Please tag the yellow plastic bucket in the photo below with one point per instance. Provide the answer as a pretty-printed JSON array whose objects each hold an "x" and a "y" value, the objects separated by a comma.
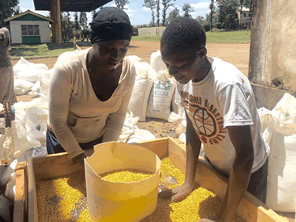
[{"x": 110, "y": 201}]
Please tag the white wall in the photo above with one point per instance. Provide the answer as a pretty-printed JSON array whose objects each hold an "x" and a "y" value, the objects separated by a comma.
[{"x": 16, "y": 32}]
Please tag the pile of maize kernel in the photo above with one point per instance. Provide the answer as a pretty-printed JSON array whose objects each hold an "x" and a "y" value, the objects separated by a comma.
[
  {"x": 58, "y": 199},
  {"x": 62, "y": 199},
  {"x": 127, "y": 176},
  {"x": 201, "y": 203}
]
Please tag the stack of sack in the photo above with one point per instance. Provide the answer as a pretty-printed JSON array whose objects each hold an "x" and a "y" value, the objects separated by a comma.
[
  {"x": 154, "y": 92},
  {"x": 279, "y": 131},
  {"x": 32, "y": 78}
]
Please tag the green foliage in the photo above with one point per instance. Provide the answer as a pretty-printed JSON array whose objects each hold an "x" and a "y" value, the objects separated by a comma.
[
  {"x": 187, "y": 8},
  {"x": 173, "y": 14},
  {"x": 121, "y": 3},
  {"x": 8, "y": 8},
  {"x": 76, "y": 24},
  {"x": 151, "y": 4},
  {"x": 68, "y": 26},
  {"x": 166, "y": 4},
  {"x": 135, "y": 31},
  {"x": 228, "y": 18},
  {"x": 83, "y": 20},
  {"x": 215, "y": 30}
]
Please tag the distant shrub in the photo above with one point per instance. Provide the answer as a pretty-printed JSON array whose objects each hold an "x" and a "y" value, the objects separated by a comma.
[{"x": 215, "y": 30}]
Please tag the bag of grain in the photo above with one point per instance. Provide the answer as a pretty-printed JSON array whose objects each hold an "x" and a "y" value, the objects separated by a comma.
[
  {"x": 140, "y": 95},
  {"x": 21, "y": 86},
  {"x": 159, "y": 104},
  {"x": 281, "y": 131}
]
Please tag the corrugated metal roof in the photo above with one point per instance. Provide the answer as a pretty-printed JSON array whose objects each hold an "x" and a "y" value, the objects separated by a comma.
[{"x": 71, "y": 5}]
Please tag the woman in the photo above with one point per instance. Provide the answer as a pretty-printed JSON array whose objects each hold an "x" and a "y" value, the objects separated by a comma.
[
  {"x": 90, "y": 89},
  {"x": 6, "y": 71}
]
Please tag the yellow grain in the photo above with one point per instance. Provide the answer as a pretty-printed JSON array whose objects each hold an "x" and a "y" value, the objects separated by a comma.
[
  {"x": 126, "y": 176},
  {"x": 58, "y": 198},
  {"x": 201, "y": 203},
  {"x": 84, "y": 216}
]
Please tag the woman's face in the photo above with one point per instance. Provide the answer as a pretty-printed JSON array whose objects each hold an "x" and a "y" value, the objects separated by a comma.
[{"x": 110, "y": 53}]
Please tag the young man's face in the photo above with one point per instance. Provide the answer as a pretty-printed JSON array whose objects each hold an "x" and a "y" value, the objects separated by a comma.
[{"x": 182, "y": 65}]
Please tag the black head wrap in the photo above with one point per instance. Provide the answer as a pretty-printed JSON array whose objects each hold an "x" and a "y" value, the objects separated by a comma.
[
  {"x": 182, "y": 34},
  {"x": 109, "y": 24}
]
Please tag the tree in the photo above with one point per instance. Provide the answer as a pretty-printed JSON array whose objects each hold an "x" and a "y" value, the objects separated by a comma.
[
  {"x": 173, "y": 14},
  {"x": 76, "y": 23},
  {"x": 8, "y": 8},
  {"x": 228, "y": 18},
  {"x": 166, "y": 4},
  {"x": 157, "y": 12},
  {"x": 151, "y": 5},
  {"x": 212, "y": 8},
  {"x": 121, "y": 3},
  {"x": 83, "y": 20},
  {"x": 67, "y": 26},
  {"x": 187, "y": 8},
  {"x": 17, "y": 10}
]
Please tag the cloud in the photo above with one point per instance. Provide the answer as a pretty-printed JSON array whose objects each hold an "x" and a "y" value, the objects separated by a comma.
[
  {"x": 201, "y": 5},
  {"x": 128, "y": 11},
  {"x": 146, "y": 9}
]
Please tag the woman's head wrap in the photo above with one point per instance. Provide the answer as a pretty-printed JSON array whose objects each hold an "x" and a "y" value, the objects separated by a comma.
[{"x": 109, "y": 24}]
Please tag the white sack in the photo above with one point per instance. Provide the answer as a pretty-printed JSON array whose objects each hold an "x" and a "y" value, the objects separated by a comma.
[
  {"x": 21, "y": 86},
  {"x": 139, "y": 99},
  {"x": 36, "y": 124},
  {"x": 15, "y": 141},
  {"x": 134, "y": 59},
  {"x": 140, "y": 135},
  {"x": 30, "y": 75},
  {"x": 23, "y": 64},
  {"x": 159, "y": 104},
  {"x": 156, "y": 61}
]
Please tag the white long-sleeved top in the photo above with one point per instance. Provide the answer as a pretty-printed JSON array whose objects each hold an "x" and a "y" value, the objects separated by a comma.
[{"x": 76, "y": 115}]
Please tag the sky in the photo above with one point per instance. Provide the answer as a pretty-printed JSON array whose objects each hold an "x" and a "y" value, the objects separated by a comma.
[{"x": 138, "y": 14}]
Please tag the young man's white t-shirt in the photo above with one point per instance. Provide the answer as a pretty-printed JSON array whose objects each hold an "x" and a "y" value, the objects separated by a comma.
[{"x": 223, "y": 98}]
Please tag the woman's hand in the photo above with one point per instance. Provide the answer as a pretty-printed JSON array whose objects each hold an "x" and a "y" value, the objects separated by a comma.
[{"x": 79, "y": 159}]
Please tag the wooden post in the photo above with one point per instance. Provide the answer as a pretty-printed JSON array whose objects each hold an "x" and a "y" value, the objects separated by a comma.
[
  {"x": 55, "y": 13},
  {"x": 20, "y": 200}
]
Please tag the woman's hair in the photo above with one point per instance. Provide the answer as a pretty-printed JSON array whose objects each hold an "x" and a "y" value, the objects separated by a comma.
[
  {"x": 182, "y": 34},
  {"x": 110, "y": 23}
]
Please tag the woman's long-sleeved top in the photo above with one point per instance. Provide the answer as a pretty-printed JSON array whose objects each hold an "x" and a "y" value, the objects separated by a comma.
[{"x": 76, "y": 115}]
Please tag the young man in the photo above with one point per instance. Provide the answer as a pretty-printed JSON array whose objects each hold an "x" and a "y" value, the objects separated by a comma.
[
  {"x": 221, "y": 113},
  {"x": 6, "y": 71}
]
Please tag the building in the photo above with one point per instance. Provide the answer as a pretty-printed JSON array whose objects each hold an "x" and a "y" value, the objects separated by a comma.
[
  {"x": 152, "y": 31},
  {"x": 245, "y": 17},
  {"x": 29, "y": 28}
]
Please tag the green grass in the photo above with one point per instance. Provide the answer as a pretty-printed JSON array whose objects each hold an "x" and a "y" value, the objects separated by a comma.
[
  {"x": 41, "y": 50},
  {"x": 234, "y": 36},
  {"x": 146, "y": 38}
]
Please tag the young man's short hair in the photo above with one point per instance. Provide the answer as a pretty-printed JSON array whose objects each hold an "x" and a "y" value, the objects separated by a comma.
[{"x": 183, "y": 33}]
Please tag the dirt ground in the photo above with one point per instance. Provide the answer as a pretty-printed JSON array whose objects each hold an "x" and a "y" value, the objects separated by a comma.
[{"x": 237, "y": 54}]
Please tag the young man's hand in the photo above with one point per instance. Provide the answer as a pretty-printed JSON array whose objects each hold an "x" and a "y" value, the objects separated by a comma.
[{"x": 178, "y": 193}]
